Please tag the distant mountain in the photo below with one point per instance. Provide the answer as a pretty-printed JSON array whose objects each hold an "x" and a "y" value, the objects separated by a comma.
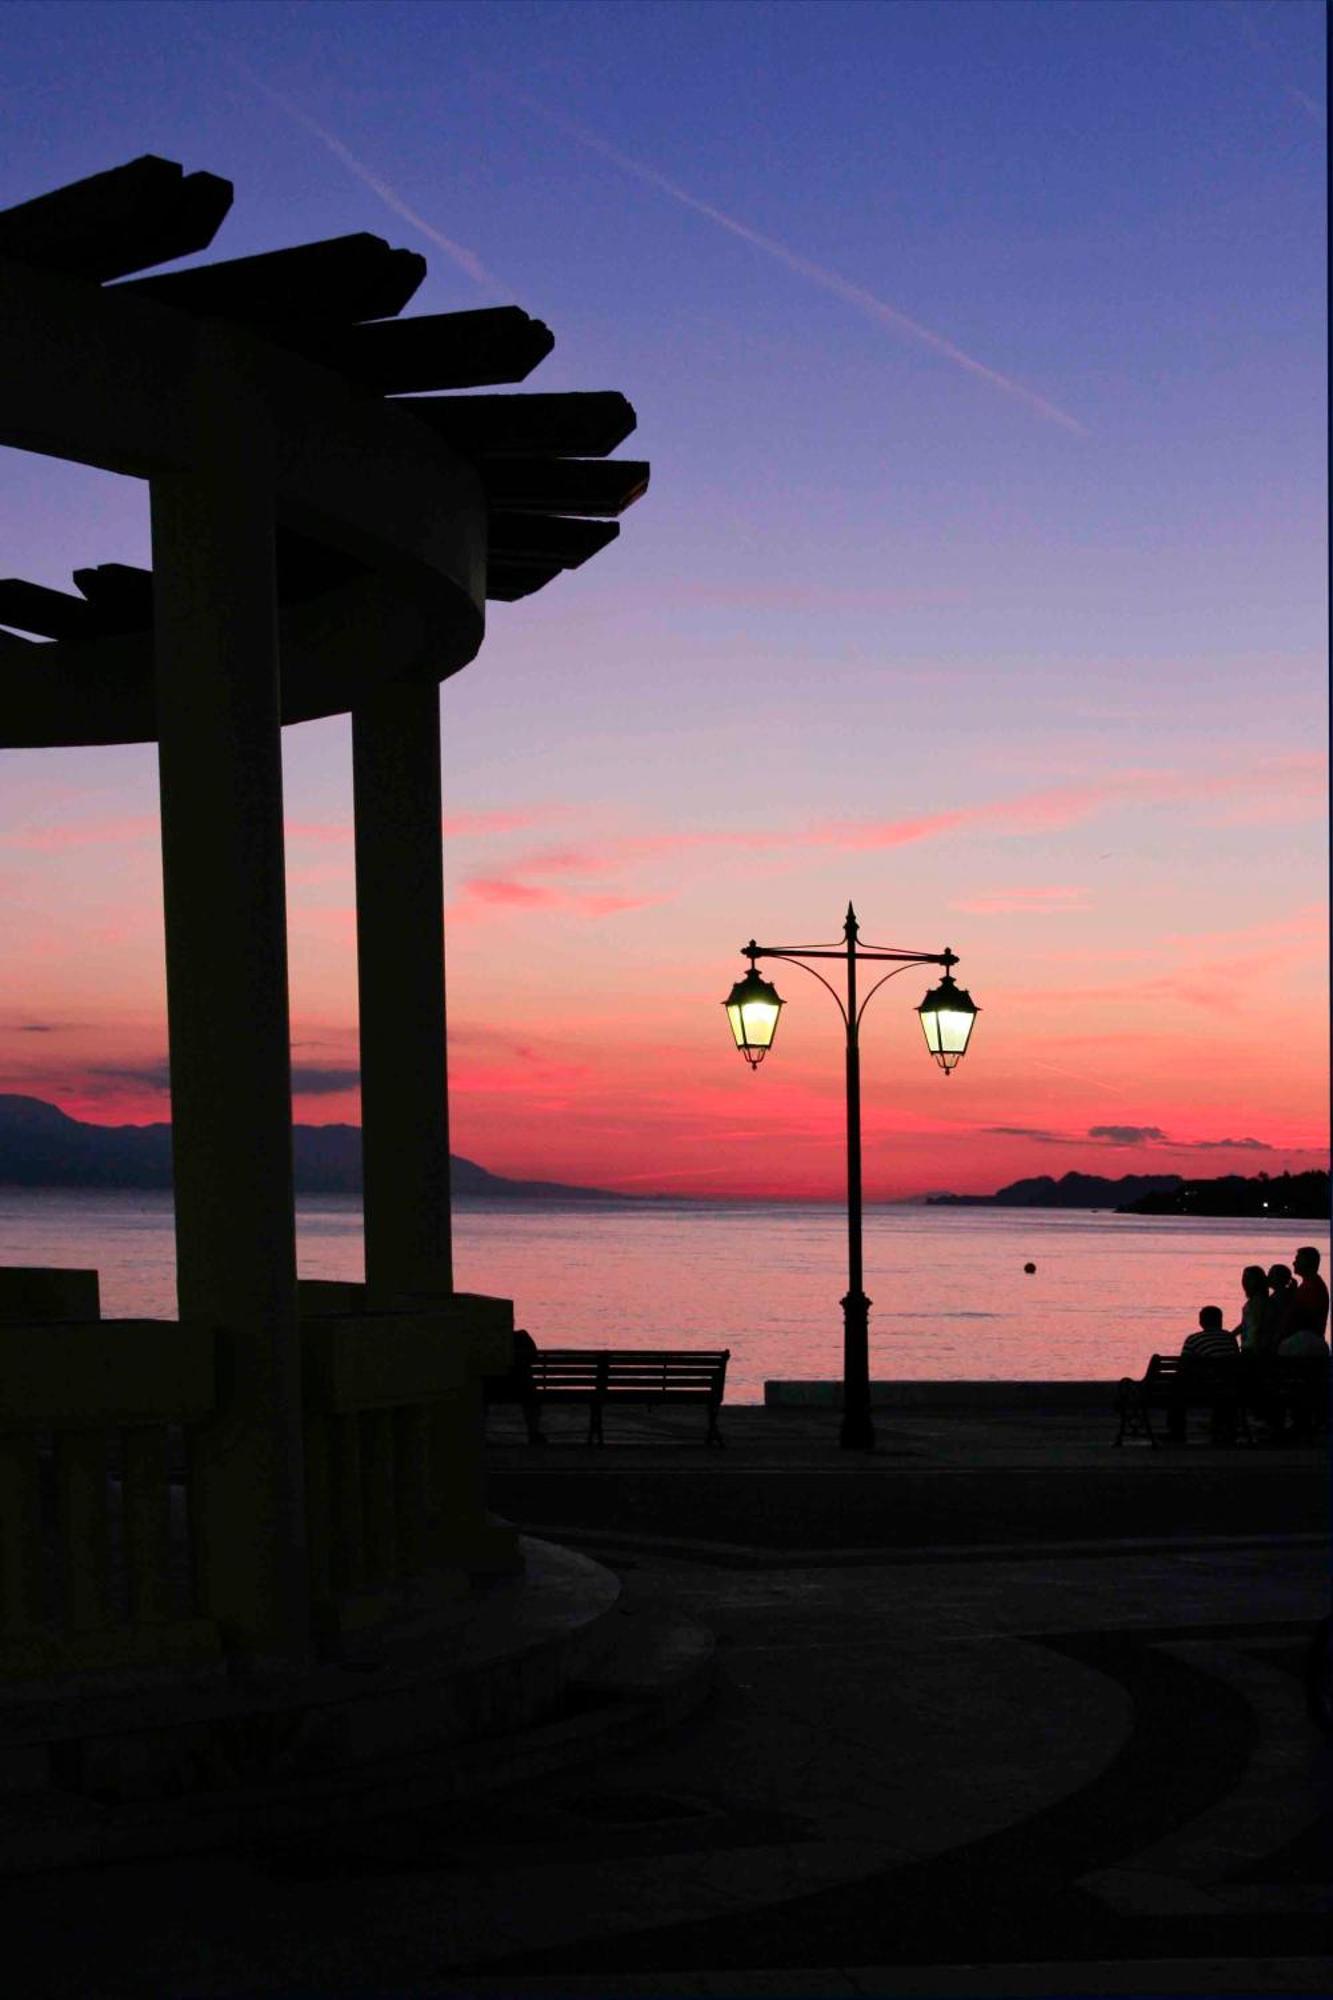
[
  {"x": 41, "y": 1146},
  {"x": 1297, "y": 1195},
  {"x": 1070, "y": 1191}
]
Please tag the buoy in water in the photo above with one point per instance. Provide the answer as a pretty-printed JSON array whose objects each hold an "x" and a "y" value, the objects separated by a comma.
[{"x": 1029, "y": 1268}]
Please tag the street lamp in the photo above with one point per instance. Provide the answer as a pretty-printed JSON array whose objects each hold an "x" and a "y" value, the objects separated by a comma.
[{"x": 946, "y": 1014}]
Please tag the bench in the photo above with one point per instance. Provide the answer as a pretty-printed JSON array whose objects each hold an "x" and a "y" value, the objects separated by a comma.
[
  {"x": 1216, "y": 1387},
  {"x": 598, "y": 1376}
]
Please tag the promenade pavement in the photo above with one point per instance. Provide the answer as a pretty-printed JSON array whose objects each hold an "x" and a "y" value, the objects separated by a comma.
[{"x": 997, "y": 1710}]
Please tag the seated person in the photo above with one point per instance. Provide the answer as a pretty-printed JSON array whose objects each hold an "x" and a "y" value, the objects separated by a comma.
[
  {"x": 1207, "y": 1359},
  {"x": 517, "y": 1385}
]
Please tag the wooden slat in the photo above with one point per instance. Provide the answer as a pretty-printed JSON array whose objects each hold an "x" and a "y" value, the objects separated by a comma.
[
  {"x": 120, "y": 594},
  {"x": 145, "y": 212},
  {"x": 52, "y": 613},
  {"x": 411, "y": 1448},
  {"x": 564, "y": 485},
  {"x": 81, "y": 1497},
  {"x": 397, "y": 357},
  {"x": 348, "y": 1538},
  {"x": 548, "y": 538},
  {"x": 318, "y": 1509},
  {"x": 342, "y": 279},
  {"x": 584, "y": 423},
  {"x": 506, "y": 582},
  {"x": 377, "y": 1495},
  {"x": 20, "y": 1536},
  {"x": 147, "y": 1525}
]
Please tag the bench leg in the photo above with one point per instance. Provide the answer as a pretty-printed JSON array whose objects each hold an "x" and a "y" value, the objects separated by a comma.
[
  {"x": 1135, "y": 1421},
  {"x": 714, "y": 1434}
]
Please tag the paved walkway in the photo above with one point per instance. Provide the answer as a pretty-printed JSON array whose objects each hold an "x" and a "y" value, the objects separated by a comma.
[{"x": 997, "y": 1711}]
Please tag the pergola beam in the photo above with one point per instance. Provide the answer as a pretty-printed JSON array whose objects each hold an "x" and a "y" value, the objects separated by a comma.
[
  {"x": 395, "y": 357},
  {"x": 145, "y": 212},
  {"x": 583, "y": 423},
  {"x": 342, "y": 279},
  {"x": 547, "y": 485},
  {"x": 548, "y": 538}
]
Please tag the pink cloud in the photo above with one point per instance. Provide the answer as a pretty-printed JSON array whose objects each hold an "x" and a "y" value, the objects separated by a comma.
[
  {"x": 502, "y": 889},
  {"x": 507, "y": 892},
  {"x": 1300, "y": 775}
]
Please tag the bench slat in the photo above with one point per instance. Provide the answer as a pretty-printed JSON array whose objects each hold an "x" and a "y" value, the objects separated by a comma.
[{"x": 597, "y": 1375}]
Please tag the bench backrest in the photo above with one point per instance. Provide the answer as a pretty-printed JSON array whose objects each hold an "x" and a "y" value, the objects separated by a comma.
[
  {"x": 1166, "y": 1367},
  {"x": 598, "y": 1370}
]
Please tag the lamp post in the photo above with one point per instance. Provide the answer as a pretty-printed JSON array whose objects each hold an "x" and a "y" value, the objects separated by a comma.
[{"x": 946, "y": 1014}]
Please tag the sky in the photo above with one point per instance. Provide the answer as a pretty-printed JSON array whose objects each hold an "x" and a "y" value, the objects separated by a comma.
[{"x": 978, "y": 350}]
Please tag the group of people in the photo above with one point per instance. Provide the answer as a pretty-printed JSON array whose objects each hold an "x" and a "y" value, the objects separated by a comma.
[{"x": 1284, "y": 1318}]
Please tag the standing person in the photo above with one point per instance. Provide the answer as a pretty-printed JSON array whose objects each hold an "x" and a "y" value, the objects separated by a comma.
[
  {"x": 1254, "y": 1285},
  {"x": 1277, "y": 1321},
  {"x": 1303, "y": 1354},
  {"x": 1309, "y": 1304},
  {"x": 1255, "y": 1361}
]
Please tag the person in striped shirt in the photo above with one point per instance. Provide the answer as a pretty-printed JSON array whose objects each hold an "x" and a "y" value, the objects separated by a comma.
[
  {"x": 1212, "y": 1342},
  {"x": 1214, "y": 1351}
]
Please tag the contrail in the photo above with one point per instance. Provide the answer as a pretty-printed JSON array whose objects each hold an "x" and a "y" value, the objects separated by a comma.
[
  {"x": 1244, "y": 26},
  {"x": 818, "y": 274},
  {"x": 459, "y": 252}
]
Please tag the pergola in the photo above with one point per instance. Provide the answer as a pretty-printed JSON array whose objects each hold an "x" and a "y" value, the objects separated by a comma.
[{"x": 326, "y": 530}]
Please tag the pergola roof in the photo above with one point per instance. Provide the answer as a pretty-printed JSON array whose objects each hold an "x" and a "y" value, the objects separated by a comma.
[{"x": 550, "y": 502}]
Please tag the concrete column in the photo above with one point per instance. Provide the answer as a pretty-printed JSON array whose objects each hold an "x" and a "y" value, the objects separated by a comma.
[
  {"x": 400, "y": 969},
  {"x": 220, "y": 767}
]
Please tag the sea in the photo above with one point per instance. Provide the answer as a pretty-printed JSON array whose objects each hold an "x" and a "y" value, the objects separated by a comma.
[{"x": 950, "y": 1297}]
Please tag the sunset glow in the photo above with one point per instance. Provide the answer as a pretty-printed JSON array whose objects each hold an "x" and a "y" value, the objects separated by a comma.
[{"x": 980, "y": 580}]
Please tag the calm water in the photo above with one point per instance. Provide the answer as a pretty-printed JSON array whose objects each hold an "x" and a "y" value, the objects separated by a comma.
[{"x": 950, "y": 1296}]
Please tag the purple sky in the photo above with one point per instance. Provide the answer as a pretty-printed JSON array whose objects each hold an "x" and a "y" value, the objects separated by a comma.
[{"x": 979, "y": 353}]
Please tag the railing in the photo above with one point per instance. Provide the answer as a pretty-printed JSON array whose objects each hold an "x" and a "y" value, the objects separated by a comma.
[
  {"x": 96, "y": 1566},
  {"x": 395, "y": 1515},
  {"x": 103, "y": 1556}
]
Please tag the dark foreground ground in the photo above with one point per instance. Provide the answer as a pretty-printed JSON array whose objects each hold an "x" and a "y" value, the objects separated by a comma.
[{"x": 1000, "y": 1710}]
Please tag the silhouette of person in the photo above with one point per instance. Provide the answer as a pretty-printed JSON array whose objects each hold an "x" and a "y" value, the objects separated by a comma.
[
  {"x": 1304, "y": 1344},
  {"x": 518, "y": 1386},
  {"x": 1208, "y": 1362},
  {"x": 1254, "y": 1285},
  {"x": 1277, "y": 1313},
  {"x": 525, "y": 1353},
  {"x": 1255, "y": 1360},
  {"x": 1309, "y": 1305}
]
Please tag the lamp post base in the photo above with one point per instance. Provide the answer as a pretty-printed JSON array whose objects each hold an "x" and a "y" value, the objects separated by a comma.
[{"x": 857, "y": 1432}]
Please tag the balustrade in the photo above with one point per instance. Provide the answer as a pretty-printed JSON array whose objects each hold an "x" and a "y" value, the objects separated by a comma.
[
  {"x": 396, "y": 1523},
  {"x": 96, "y": 1554},
  {"x": 108, "y": 1433}
]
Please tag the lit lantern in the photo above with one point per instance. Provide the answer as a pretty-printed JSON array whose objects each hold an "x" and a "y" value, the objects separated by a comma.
[
  {"x": 752, "y": 1008},
  {"x": 947, "y": 1014}
]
